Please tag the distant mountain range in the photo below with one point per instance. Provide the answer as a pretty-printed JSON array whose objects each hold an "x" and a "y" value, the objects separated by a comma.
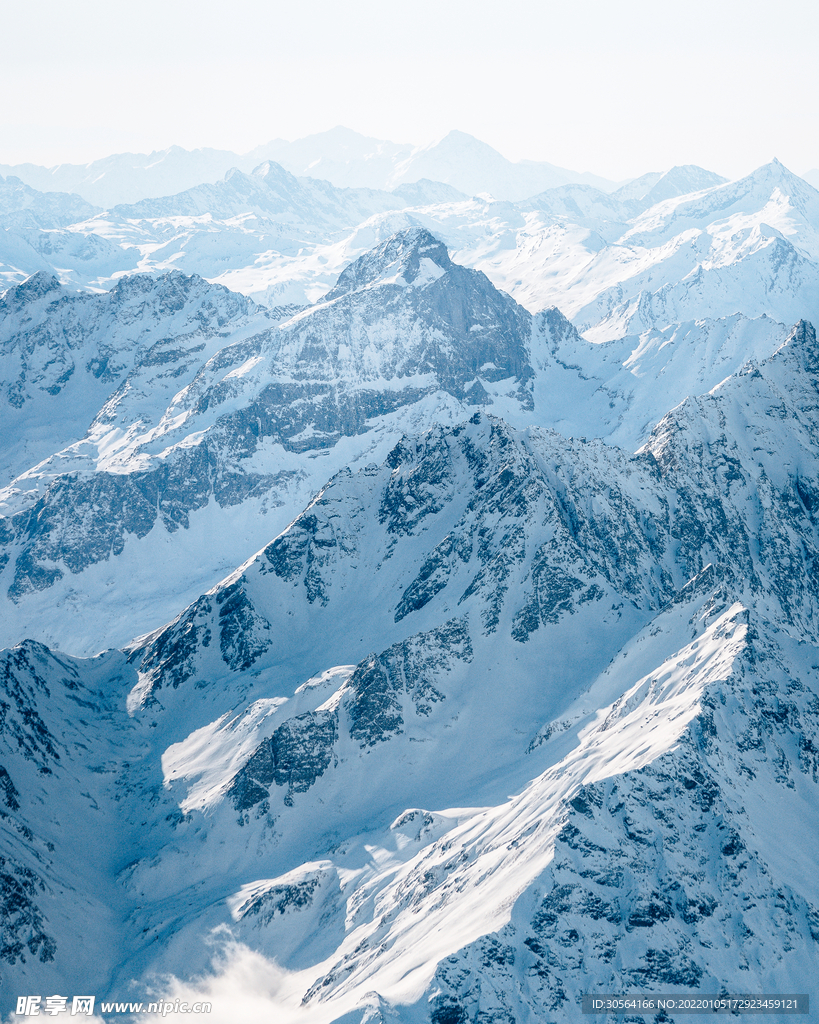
[
  {"x": 659, "y": 250},
  {"x": 341, "y": 156}
]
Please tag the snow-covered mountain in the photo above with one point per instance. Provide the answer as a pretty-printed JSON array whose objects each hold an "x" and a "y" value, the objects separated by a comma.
[
  {"x": 25, "y": 207},
  {"x": 207, "y": 416},
  {"x": 64, "y": 353},
  {"x": 747, "y": 246},
  {"x": 341, "y": 156},
  {"x": 314, "y": 760},
  {"x": 270, "y": 194},
  {"x": 37, "y": 236},
  {"x": 169, "y": 415},
  {"x": 453, "y": 561},
  {"x": 616, "y": 264},
  {"x": 472, "y": 167},
  {"x": 752, "y": 245}
]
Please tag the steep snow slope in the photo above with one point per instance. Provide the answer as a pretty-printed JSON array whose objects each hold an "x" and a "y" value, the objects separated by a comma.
[
  {"x": 786, "y": 200},
  {"x": 617, "y": 390},
  {"x": 323, "y": 747}
]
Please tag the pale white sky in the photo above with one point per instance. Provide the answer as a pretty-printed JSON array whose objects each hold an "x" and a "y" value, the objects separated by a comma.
[{"x": 617, "y": 87}]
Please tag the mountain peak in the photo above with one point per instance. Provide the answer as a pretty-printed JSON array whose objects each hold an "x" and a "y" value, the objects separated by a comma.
[
  {"x": 775, "y": 170},
  {"x": 462, "y": 139},
  {"x": 802, "y": 347},
  {"x": 775, "y": 175},
  {"x": 410, "y": 257},
  {"x": 457, "y": 143},
  {"x": 656, "y": 186},
  {"x": 33, "y": 288},
  {"x": 270, "y": 172},
  {"x": 691, "y": 178}
]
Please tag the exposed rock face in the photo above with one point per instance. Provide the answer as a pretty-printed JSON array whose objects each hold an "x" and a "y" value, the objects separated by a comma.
[
  {"x": 379, "y": 683},
  {"x": 50, "y": 333},
  {"x": 24, "y": 931},
  {"x": 297, "y": 754},
  {"x": 63, "y": 741},
  {"x": 373, "y": 703},
  {"x": 456, "y": 323}
]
